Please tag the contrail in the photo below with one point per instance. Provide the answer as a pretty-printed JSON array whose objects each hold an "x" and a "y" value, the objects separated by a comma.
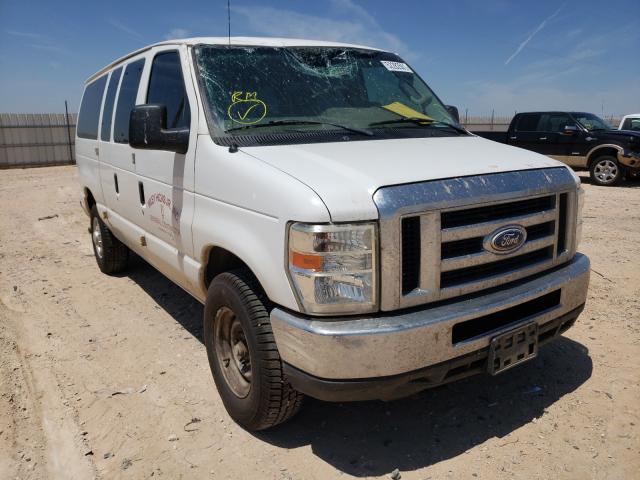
[{"x": 533, "y": 34}]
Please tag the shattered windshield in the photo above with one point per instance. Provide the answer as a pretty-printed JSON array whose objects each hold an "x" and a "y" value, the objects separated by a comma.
[{"x": 265, "y": 90}]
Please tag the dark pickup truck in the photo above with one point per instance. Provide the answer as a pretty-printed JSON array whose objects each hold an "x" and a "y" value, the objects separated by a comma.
[{"x": 581, "y": 140}]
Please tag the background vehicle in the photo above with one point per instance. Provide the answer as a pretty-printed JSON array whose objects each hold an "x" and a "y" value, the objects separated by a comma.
[
  {"x": 581, "y": 140},
  {"x": 630, "y": 122},
  {"x": 348, "y": 239}
]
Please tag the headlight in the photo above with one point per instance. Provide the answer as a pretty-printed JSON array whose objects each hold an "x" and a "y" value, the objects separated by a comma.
[
  {"x": 333, "y": 267},
  {"x": 580, "y": 205}
]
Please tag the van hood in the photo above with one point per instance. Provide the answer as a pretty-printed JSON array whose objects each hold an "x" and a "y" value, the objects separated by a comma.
[{"x": 346, "y": 174}]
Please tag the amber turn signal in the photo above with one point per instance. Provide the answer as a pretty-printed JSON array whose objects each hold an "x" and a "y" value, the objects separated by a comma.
[{"x": 306, "y": 261}]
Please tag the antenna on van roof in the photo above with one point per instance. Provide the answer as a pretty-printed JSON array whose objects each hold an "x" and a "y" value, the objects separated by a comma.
[{"x": 229, "y": 19}]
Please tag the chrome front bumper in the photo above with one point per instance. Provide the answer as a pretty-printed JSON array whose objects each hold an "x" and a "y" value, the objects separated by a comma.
[{"x": 394, "y": 344}]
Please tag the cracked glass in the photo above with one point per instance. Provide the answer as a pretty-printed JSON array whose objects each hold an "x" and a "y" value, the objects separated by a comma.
[{"x": 300, "y": 89}]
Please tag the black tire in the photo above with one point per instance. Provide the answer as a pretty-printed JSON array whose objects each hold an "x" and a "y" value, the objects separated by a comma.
[
  {"x": 605, "y": 171},
  {"x": 111, "y": 255},
  {"x": 269, "y": 399}
]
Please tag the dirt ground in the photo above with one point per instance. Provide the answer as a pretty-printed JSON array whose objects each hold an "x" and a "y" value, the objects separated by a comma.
[{"x": 107, "y": 377}]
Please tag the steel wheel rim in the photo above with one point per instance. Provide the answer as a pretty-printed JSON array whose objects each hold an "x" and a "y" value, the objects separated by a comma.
[
  {"x": 606, "y": 171},
  {"x": 232, "y": 352},
  {"x": 96, "y": 237}
]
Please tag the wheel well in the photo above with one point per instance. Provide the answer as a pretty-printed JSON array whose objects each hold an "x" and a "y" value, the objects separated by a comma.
[
  {"x": 220, "y": 261},
  {"x": 602, "y": 151},
  {"x": 89, "y": 198}
]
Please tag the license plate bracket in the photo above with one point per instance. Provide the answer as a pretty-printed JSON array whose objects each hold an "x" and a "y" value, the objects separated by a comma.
[{"x": 513, "y": 348}]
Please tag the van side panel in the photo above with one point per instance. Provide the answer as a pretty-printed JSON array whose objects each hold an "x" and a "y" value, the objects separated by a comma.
[{"x": 243, "y": 205}]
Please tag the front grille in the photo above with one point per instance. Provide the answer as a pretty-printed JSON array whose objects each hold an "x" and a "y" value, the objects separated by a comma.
[
  {"x": 463, "y": 258},
  {"x": 562, "y": 220},
  {"x": 459, "y": 218},
  {"x": 436, "y": 236},
  {"x": 468, "y": 246},
  {"x": 488, "y": 270},
  {"x": 410, "y": 254}
]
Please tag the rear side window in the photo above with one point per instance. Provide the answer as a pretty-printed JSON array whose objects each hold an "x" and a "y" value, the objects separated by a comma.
[
  {"x": 89, "y": 115},
  {"x": 107, "y": 111},
  {"x": 127, "y": 100},
  {"x": 528, "y": 122},
  {"x": 166, "y": 87},
  {"x": 554, "y": 122}
]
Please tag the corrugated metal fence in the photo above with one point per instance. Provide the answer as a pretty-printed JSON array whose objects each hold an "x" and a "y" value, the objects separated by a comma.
[{"x": 36, "y": 139}]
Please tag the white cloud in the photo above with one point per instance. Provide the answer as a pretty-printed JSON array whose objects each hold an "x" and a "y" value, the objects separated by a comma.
[
  {"x": 355, "y": 25},
  {"x": 38, "y": 41},
  {"x": 125, "y": 29},
  {"x": 49, "y": 47},
  {"x": 31, "y": 35},
  {"x": 176, "y": 33},
  {"x": 533, "y": 34}
]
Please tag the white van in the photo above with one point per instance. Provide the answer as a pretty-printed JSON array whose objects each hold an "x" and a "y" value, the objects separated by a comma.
[{"x": 348, "y": 239}]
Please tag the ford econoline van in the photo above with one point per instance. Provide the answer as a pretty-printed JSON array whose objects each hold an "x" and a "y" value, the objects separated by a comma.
[{"x": 348, "y": 238}]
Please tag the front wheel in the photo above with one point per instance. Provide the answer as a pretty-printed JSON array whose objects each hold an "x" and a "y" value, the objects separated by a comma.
[
  {"x": 605, "y": 171},
  {"x": 243, "y": 355}
]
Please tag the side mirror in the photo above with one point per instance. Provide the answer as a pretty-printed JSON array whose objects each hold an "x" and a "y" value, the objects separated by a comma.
[
  {"x": 571, "y": 129},
  {"x": 148, "y": 130},
  {"x": 453, "y": 111}
]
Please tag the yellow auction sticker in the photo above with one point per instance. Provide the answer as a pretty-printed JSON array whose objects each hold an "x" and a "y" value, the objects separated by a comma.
[{"x": 246, "y": 108}]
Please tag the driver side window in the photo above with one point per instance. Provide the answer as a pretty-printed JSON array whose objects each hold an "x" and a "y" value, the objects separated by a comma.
[{"x": 166, "y": 87}]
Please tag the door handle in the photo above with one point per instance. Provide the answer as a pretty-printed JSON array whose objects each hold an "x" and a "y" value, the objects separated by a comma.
[
  {"x": 542, "y": 138},
  {"x": 513, "y": 138},
  {"x": 97, "y": 150},
  {"x": 141, "y": 193},
  {"x": 115, "y": 182}
]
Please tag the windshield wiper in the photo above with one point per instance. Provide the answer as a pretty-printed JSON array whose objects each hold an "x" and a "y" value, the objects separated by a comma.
[
  {"x": 360, "y": 131},
  {"x": 423, "y": 122}
]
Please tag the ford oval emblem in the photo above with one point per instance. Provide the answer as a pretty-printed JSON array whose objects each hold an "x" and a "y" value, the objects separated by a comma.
[{"x": 506, "y": 239}]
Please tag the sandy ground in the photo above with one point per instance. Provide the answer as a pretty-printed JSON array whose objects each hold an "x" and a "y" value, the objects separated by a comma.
[{"x": 106, "y": 377}]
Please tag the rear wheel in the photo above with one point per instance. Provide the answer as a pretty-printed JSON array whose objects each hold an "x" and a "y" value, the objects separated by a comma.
[
  {"x": 243, "y": 355},
  {"x": 606, "y": 171},
  {"x": 111, "y": 254}
]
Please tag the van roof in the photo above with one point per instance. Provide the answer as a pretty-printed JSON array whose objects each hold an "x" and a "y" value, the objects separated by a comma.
[{"x": 248, "y": 41}]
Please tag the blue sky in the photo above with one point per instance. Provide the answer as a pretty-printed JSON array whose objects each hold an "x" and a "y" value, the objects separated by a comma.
[{"x": 479, "y": 55}]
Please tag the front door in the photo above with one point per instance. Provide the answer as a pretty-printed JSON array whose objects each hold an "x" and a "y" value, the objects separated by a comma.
[{"x": 166, "y": 178}]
